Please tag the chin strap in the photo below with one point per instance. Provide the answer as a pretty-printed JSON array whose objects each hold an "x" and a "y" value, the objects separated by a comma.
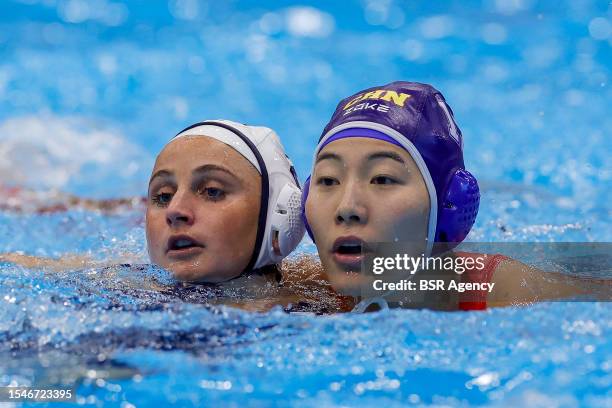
[{"x": 362, "y": 306}]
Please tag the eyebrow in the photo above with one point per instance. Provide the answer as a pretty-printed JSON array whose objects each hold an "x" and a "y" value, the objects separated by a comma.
[
  {"x": 199, "y": 170},
  {"x": 386, "y": 155},
  {"x": 160, "y": 173},
  {"x": 212, "y": 167},
  {"x": 328, "y": 156}
]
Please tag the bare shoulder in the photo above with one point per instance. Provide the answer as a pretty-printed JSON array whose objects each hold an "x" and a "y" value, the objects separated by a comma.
[
  {"x": 306, "y": 278},
  {"x": 303, "y": 269}
]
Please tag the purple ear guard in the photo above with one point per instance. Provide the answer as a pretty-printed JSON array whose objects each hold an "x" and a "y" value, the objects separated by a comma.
[
  {"x": 457, "y": 213},
  {"x": 419, "y": 113}
]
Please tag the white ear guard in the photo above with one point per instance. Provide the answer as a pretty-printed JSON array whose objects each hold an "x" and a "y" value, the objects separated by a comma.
[
  {"x": 286, "y": 224},
  {"x": 284, "y": 228},
  {"x": 280, "y": 228}
]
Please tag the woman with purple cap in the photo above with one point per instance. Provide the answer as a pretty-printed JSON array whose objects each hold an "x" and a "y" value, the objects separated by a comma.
[{"x": 389, "y": 168}]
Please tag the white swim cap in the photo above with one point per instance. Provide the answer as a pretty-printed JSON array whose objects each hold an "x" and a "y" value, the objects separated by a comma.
[{"x": 280, "y": 212}]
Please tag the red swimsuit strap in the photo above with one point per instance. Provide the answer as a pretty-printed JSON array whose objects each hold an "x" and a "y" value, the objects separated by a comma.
[{"x": 478, "y": 300}]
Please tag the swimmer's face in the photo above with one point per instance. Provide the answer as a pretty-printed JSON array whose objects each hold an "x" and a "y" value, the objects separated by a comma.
[
  {"x": 202, "y": 210},
  {"x": 364, "y": 191}
]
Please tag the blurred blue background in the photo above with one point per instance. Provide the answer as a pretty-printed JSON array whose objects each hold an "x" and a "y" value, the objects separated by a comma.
[{"x": 90, "y": 91}]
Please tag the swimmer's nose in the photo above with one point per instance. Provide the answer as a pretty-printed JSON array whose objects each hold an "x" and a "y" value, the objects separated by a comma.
[
  {"x": 351, "y": 210},
  {"x": 179, "y": 211}
]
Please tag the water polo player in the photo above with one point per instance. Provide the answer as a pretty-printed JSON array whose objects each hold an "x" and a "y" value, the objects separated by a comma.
[
  {"x": 223, "y": 200},
  {"x": 389, "y": 168}
]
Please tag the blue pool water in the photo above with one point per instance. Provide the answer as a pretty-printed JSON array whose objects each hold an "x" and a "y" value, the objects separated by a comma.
[{"x": 91, "y": 90}]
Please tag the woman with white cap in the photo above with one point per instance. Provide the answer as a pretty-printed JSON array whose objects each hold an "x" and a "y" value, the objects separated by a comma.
[
  {"x": 223, "y": 206},
  {"x": 223, "y": 200}
]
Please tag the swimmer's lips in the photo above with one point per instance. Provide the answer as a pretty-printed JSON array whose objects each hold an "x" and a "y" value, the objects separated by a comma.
[
  {"x": 348, "y": 252},
  {"x": 183, "y": 246}
]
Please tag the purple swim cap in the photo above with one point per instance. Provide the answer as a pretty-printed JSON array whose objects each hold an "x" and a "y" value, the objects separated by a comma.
[{"x": 416, "y": 117}]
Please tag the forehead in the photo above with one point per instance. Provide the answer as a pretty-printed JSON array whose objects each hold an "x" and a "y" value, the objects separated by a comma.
[
  {"x": 358, "y": 150},
  {"x": 195, "y": 151}
]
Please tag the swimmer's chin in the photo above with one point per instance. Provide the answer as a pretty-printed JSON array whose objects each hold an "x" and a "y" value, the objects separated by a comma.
[
  {"x": 347, "y": 282},
  {"x": 195, "y": 274}
]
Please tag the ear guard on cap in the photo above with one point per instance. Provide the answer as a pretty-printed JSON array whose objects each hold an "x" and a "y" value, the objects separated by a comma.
[
  {"x": 456, "y": 215},
  {"x": 459, "y": 207},
  {"x": 286, "y": 229}
]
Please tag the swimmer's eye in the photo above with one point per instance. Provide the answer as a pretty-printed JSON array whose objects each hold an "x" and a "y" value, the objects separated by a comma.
[
  {"x": 384, "y": 180},
  {"x": 161, "y": 199},
  {"x": 213, "y": 193},
  {"x": 327, "y": 181}
]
